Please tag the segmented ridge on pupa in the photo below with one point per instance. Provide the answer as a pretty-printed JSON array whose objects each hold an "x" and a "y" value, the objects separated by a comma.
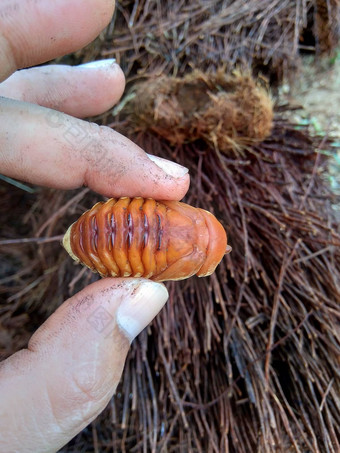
[{"x": 131, "y": 242}]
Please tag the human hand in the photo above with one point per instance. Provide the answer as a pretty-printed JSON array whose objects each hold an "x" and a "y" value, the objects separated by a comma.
[{"x": 73, "y": 363}]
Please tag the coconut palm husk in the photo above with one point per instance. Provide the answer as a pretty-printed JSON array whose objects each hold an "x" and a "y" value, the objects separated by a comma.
[
  {"x": 162, "y": 37},
  {"x": 229, "y": 112},
  {"x": 246, "y": 360}
]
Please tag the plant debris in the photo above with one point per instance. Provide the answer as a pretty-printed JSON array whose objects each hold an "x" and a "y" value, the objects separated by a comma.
[
  {"x": 164, "y": 37},
  {"x": 229, "y": 112}
]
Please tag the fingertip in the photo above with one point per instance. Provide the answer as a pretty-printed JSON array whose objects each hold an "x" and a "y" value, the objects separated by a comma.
[
  {"x": 81, "y": 91},
  {"x": 134, "y": 173},
  {"x": 170, "y": 168},
  {"x": 104, "y": 85},
  {"x": 185, "y": 184},
  {"x": 135, "y": 313},
  {"x": 114, "y": 79}
]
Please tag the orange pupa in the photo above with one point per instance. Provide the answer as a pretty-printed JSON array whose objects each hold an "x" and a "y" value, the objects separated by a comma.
[{"x": 137, "y": 237}]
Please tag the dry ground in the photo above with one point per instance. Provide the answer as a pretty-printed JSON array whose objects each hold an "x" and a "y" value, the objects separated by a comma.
[{"x": 317, "y": 90}]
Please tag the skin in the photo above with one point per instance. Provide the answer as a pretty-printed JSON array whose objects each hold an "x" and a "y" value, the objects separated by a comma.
[{"x": 72, "y": 365}]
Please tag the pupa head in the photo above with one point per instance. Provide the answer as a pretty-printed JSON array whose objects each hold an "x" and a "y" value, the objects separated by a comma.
[{"x": 217, "y": 245}]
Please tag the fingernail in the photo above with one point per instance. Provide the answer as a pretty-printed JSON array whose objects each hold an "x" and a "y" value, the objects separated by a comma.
[
  {"x": 171, "y": 168},
  {"x": 138, "y": 310},
  {"x": 99, "y": 64}
]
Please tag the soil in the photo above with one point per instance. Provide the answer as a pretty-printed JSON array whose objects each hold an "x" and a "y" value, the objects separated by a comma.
[{"x": 317, "y": 91}]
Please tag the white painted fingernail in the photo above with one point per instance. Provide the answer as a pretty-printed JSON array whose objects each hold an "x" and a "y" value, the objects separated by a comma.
[
  {"x": 171, "y": 168},
  {"x": 99, "y": 64},
  {"x": 138, "y": 310}
]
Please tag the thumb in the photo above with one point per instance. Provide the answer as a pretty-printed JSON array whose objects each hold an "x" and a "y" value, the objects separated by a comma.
[{"x": 70, "y": 370}]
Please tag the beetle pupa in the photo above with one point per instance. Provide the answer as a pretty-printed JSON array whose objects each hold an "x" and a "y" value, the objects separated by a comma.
[{"x": 137, "y": 237}]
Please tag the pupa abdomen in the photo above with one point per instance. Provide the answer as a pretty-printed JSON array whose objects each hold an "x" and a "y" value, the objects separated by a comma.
[{"x": 137, "y": 237}]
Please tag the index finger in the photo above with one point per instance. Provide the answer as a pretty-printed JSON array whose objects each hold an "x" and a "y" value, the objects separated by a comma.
[
  {"x": 50, "y": 148},
  {"x": 32, "y": 32}
]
